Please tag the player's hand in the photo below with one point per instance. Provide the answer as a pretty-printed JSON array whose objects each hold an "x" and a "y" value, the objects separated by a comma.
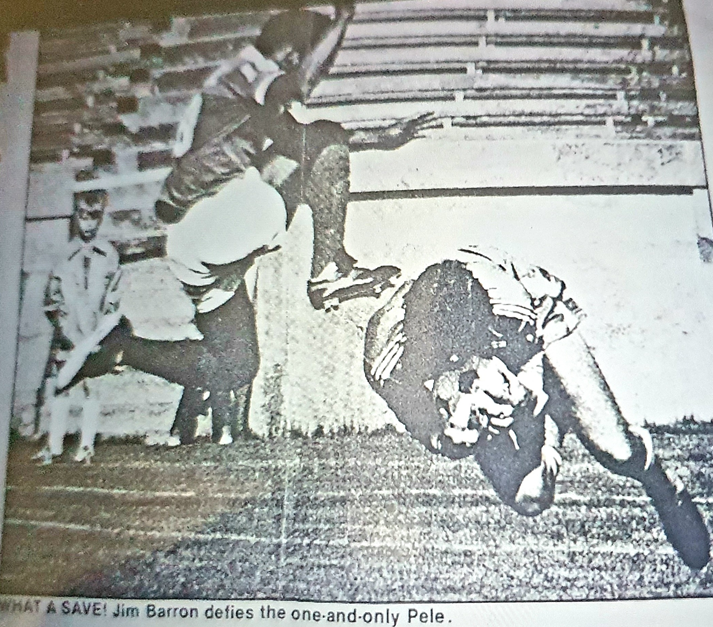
[
  {"x": 557, "y": 320},
  {"x": 403, "y": 131},
  {"x": 462, "y": 436},
  {"x": 344, "y": 11},
  {"x": 551, "y": 460}
]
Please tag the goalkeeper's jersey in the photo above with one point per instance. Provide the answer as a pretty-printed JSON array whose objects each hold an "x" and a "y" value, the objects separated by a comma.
[{"x": 524, "y": 298}]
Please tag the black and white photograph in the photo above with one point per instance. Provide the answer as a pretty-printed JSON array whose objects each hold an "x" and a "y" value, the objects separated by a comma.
[{"x": 383, "y": 302}]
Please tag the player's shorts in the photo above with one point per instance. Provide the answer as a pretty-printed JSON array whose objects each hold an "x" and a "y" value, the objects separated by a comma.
[{"x": 212, "y": 247}]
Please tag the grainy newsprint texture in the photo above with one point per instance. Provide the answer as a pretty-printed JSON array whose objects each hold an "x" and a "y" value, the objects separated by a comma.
[{"x": 485, "y": 378}]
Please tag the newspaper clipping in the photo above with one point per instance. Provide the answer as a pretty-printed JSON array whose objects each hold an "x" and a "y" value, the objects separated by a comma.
[{"x": 374, "y": 314}]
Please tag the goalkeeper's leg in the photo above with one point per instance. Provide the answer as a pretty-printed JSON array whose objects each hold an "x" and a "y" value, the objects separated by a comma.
[{"x": 624, "y": 449}]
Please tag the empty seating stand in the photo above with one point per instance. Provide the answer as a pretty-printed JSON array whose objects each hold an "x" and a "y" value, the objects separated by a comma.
[{"x": 612, "y": 69}]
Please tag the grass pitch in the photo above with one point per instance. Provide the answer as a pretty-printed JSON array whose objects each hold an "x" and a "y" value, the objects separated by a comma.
[{"x": 349, "y": 518}]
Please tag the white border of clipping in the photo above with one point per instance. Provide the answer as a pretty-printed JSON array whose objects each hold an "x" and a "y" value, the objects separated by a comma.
[{"x": 16, "y": 105}]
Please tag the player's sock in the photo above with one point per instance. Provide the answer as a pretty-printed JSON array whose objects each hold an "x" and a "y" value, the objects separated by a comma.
[
  {"x": 682, "y": 522},
  {"x": 59, "y": 414},
  {"x": 185, "y": 424}
]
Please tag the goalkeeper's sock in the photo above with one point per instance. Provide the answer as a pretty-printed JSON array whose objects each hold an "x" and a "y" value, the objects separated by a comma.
[{"x": 681, "y": 520}]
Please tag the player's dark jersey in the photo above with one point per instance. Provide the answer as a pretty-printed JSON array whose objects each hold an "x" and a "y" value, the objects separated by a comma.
[
  {"x": 230, "y": 130},
  {"x": 230, "y": 136}
]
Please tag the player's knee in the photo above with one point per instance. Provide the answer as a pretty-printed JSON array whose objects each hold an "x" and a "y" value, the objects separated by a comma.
[
  {"x": 326, "y": 133},
  {"x": 639, "y": 458}
]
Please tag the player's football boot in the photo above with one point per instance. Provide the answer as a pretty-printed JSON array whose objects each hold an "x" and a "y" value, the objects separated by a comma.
[
  {"x": 682, "y": 523},
  {"x": 331, "y": 288},
  {"x": 44, "y": 457},
  {"x": 84, "y": 455}
]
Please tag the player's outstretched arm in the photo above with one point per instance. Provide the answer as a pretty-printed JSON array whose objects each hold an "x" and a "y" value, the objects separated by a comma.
[
  {"x": 393, "y": 136},
  {"x": 321, "y": 57}
]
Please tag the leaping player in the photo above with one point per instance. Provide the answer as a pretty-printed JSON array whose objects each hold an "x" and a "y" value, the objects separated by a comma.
[{"x": 243, "y": 166}]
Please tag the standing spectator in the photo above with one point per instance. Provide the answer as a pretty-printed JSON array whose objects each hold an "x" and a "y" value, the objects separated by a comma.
[{"x": 81, "y": 302}]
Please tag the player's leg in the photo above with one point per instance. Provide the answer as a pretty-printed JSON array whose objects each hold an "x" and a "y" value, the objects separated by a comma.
[
  {"x": 89, "y": 425},
  {"x": 602, "y": 429},
  {"x": 234, "y": 358},
  {"x": 59, "y": 413},
  {"x": 58, "y": 423},
  {"x": 176, "y": 361},
  {"x": 327, "y": 193},
  {"x": 322, "y": 182},
  {"x": 204, "y": 368},
  {"x": 193, "y": 403}
]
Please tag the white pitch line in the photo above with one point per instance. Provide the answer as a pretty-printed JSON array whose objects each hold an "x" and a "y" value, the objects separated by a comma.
[
  {"x": 561, "y": 548},
  {"x": 169, "y": 535},
  {"x": 118, "y": 491},
  {"x": 553, "y": 547},
  {"x": 128, "y": 492},
  {"x": 564, "y": 498},
  {"x": 444, "y": 465}
]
